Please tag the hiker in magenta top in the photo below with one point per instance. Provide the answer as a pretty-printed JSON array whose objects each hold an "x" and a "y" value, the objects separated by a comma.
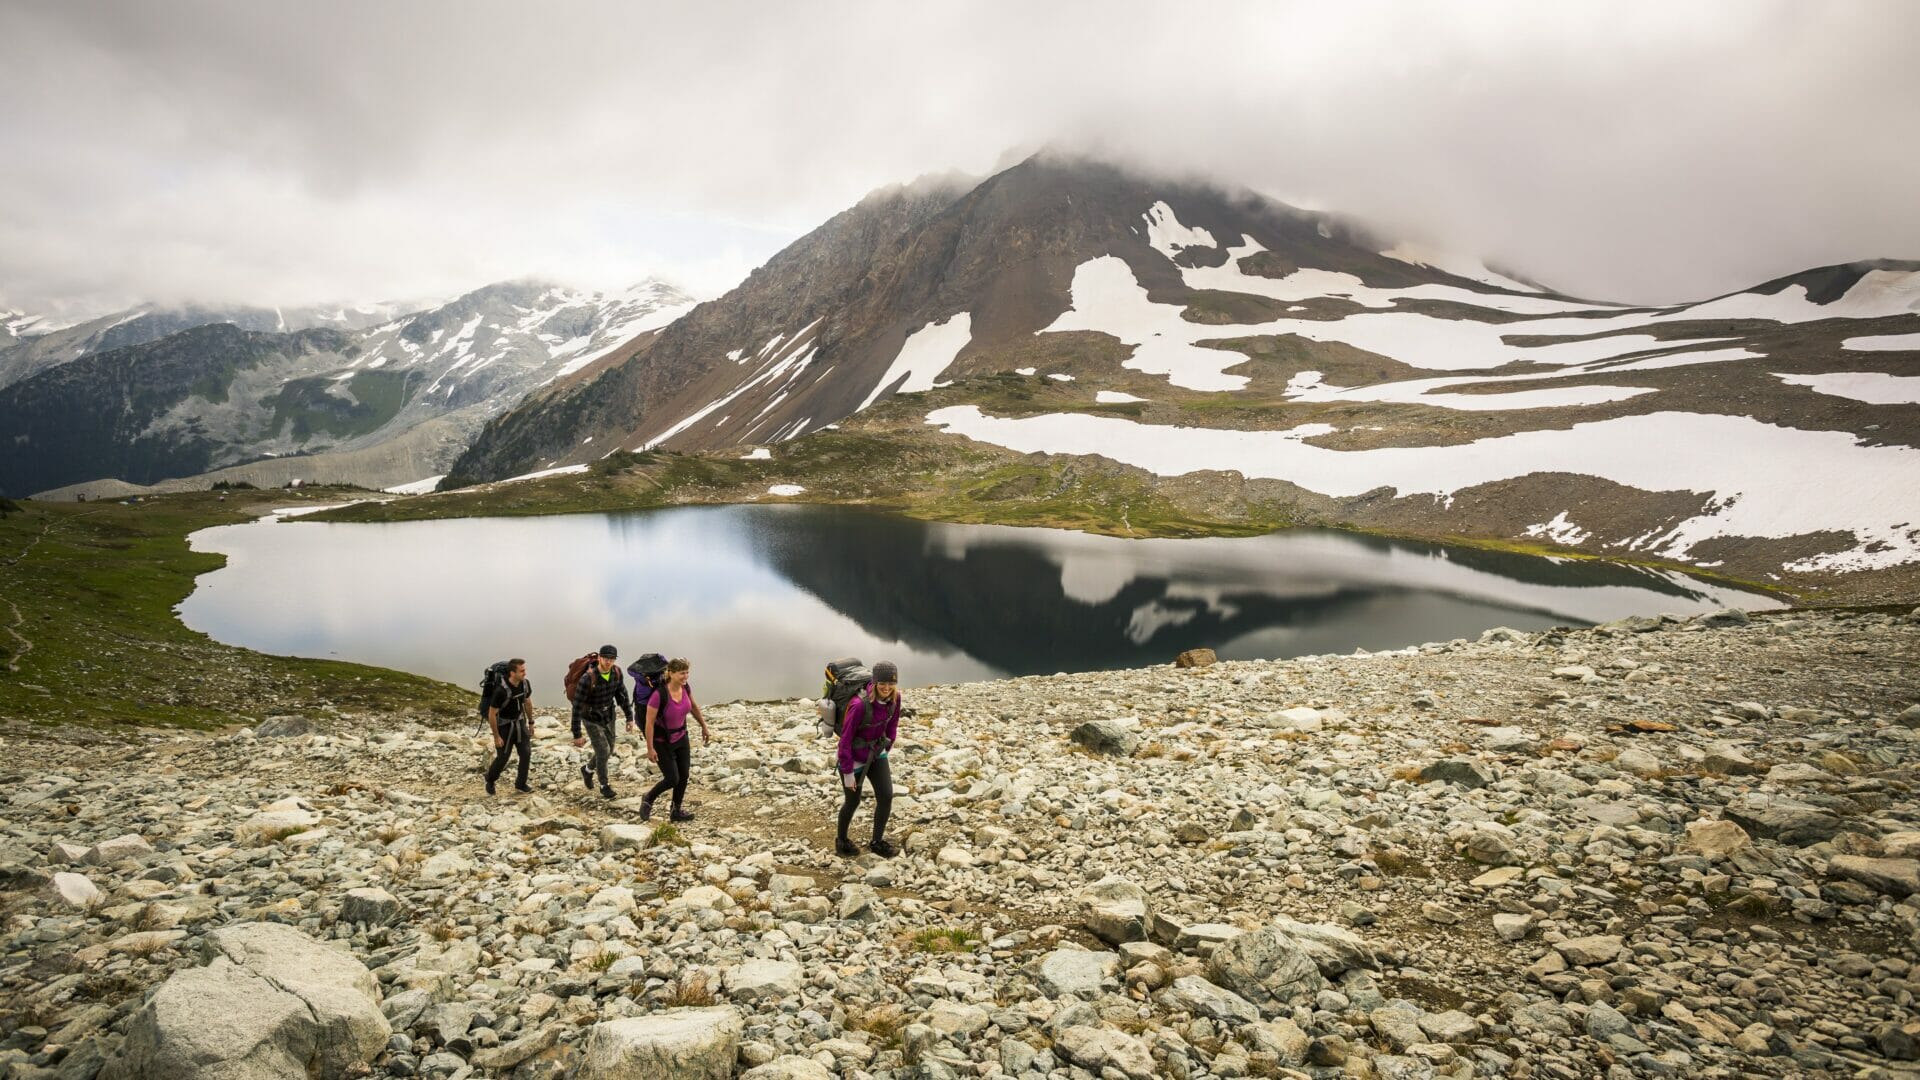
[
  {"x": 667, "y": 741},
  {"x": 872, "y": 724}
]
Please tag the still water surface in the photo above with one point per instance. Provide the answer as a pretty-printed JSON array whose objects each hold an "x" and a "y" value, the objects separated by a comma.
[{"x": 759, "y": 597}]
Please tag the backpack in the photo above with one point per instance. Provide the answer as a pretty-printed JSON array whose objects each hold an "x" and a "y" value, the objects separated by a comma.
[
  {"x": 845, "y": 679},
  {"x": 649, "y": 674},
  {"x": 490, "y": 681},
  {"x": 577, "y": 668}
]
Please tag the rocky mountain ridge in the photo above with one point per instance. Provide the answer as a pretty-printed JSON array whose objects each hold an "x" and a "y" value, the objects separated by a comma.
[
  {"x": 381, "y": 406},
  {"x": 1657, "y": 847},
  {"x": 1221, "y": 348}
]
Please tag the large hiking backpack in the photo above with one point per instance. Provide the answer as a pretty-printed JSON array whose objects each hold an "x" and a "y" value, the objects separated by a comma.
[
  {"x": 577, "y": 668},
  {"x": 490, "y": 681},
  {"x": 649, "y": 674},
  {"x": 846, "y": 677}
]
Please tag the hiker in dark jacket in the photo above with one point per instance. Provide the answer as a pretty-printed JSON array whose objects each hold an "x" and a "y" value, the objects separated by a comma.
[
  {"x": 667, "y": 742},
  {"x": 872, "y": 724},
  {"x": 510, "y": 717},
  {"x": 601, "y": 687}
]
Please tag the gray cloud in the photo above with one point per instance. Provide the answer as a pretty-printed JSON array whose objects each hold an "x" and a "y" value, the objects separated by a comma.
[{"x": 283, "y": 153}]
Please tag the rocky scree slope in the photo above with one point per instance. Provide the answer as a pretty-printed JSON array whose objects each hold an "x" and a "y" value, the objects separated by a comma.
[{"x": 1655, "y": 848}]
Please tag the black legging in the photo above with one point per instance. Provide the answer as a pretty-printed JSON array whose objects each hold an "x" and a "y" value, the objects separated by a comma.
[
  {"x": 676, "y": 761},
  {"x": 517, "y": 736},
  {"x": 882, "y": 777}
]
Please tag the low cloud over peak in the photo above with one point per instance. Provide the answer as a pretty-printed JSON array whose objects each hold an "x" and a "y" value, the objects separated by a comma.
[{"x": 279, "y": 153}]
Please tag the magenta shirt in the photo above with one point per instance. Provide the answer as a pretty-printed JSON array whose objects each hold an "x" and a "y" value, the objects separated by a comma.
[{"x": 672, "y": 718}]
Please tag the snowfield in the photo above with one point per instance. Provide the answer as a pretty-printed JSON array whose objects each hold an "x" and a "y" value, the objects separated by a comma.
[
  {"x": 1759, "y": 480},
  {"x": 924, "y": 355}
]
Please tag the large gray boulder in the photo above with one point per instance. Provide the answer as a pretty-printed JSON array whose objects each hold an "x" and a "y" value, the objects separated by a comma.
[
  {"x": 1077, "y": 971},
  {"x": 1335, "y": 950},
  {"x": 679, "y": 1044},
  {"x": 1196, "y": 995},
  {"x": 1116, "y": 910},
  {"x": 1789, "y": 821},
  {"x": 1114, "y": 738},
  {"x": 272, "y": 1003},
  {"x": 1099, "y": 1048},
  {"x": 1266, "y": 967}
]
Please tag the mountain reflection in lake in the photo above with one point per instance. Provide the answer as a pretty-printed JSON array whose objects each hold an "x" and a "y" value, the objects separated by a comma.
[{"x": 758, "y": 597}]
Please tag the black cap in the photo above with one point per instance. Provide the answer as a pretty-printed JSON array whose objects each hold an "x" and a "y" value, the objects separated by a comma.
[
  {"x": 609, "y": 652},
  {"x": 886, "y": 671}
]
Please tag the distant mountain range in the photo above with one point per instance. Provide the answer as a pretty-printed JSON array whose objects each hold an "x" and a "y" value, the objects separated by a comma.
[
  {"x": 365, "y": 396},
  {"x": 1224, "y": 346}
]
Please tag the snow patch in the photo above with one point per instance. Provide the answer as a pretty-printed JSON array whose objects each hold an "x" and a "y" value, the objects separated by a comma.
[
  {"x": 564, "y": 470},
  {"x": 786, "y": 491},
  {"x": 1883, "y": 343},
  {"x": 1872, "y": 387},
  {"x": 1113, "y": 397},
  {"x": 924, "y": 355},
  {"x": 1057, "y": 377},
  {"x": 1024, "y": 370},
  {"x": 1461, "y": 266},
  {"x": 758, "y": 453},
  {"x": 417, "y": 487},
  {"x": 1168, "y": 236},
  {"x": 1560, "y": 531}
]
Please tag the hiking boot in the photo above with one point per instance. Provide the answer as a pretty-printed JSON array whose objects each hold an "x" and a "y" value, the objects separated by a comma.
[
  {"x": 489, "y": 787},
  {"x": 607, "y": 793},
  {"x": 586, "y": 776},
  {"x": 680, "y": 815},
  {"x": 883, "y": 849},
  {"x": 523, "y": 789},
  {"x": 646, "y": 809},
  {"x": 844, "y": 848}
]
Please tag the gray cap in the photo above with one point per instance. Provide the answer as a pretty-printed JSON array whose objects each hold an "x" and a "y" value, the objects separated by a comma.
[
  {"x": 886, "y": 671},
  {"x": 609, "y": 652}
]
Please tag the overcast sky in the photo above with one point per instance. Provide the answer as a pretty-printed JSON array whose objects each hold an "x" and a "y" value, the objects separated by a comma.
[{"x": 281, "y": 152}]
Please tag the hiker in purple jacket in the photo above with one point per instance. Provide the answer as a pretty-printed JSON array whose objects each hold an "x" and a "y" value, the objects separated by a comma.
[
  {"x": 667, "y": 741},
  {"x": 872, "y": 723}
]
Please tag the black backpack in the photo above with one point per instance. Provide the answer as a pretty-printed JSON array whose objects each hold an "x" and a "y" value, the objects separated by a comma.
[
  {"x": 490, "y": 681},
  {"x": 846, "y": 677},
  {"x": 649, "y": 674}
]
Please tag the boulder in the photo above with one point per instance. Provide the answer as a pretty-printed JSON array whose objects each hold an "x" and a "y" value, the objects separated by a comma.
[
  {"x": 1910, "y": 718},
  {"x": 620, "y": 836},
  {"x": 75, "y": 891},
  {"x": 762, "y": 980},
  {"x": 1099, "y": 1048},
  {"x": 1895, "y": 877},
  {"x": 285, "y": 727},
  {"x": 860, "y": 903},
  {"x": 677, "y": 1044},
  {"x": 1076, "y": 971},
  {"x": 1589, "y": 951},
  {"x": 1195, "y": 658},
  {"x": 1462, "y": 771},
  {"x": 1715, "y": 839},
  {"x": 1639, "y": 762},
  {"x": 272, "y": 1003},
  {"x": 130, "y": 846},
  {"x": 1281, "y": 1038},
  {"x": 1116, "y": 910},
  {"x": 503, "y": 1058},
  {"x": 1196, "y": 995},
  {"x": 950, "y": 1018},
  {"x": 1115, "y": 738},
  {"x": 1722, "y": 619},
  {"x": 372, "y": 907},
  {"x": 1774, "y": 817},
  {"x": 1266, "y": 967},
  {"x": 1492, "y": 844},
  {"x": 791, "y": 1067},
  {"x": 1335, "y": 950}
]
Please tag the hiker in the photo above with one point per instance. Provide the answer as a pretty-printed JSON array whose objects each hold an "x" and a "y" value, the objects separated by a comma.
[
  {"x": 873, "y": 721},
  {"x": 667, "y": 742},
  {"x": 601, "y": 686},
  {"x": 510, "y": 716}
]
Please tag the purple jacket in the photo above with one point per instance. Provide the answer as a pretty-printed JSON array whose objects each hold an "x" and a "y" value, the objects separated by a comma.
[{"x": 869, "y": 730}]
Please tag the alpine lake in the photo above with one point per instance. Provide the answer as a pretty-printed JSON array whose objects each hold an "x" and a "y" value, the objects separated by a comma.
[{"x": 758, "y": 598}]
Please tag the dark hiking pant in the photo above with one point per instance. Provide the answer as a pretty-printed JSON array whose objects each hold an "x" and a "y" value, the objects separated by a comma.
[
  {"x": 676, "y": 763},
  {"x": 517, "y": 736},
  {"x": 881, "y": 775},
  {"x": 601, "y": 736}
]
